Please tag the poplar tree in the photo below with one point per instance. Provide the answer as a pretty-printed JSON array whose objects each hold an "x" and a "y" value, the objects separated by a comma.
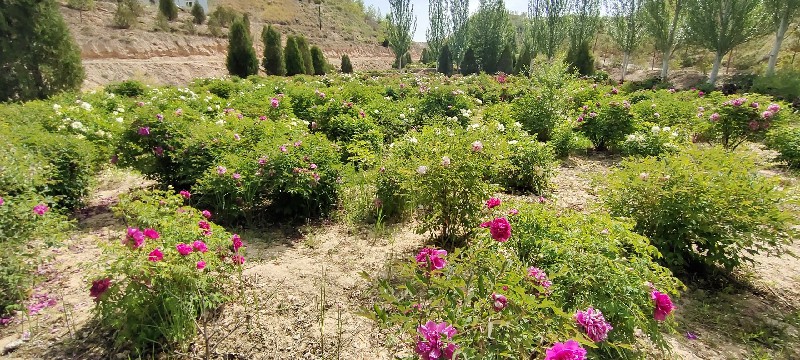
[
  {"x": 439, "y": 27},
  {"x": 626, "y": 28},
  {"x": 781, "y": 12},
  {"x": 402, "y": 24},
  {"x": 459, "y": 17},
  {"x": 490, "y": 31},
  {"x": 168, "y": 9},
  {"x": 548, "y": 24},
  {"x": 663, "y": 20}
]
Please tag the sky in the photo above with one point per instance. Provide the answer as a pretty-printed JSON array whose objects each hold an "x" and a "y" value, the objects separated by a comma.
[{"x": 421, "y": 10}]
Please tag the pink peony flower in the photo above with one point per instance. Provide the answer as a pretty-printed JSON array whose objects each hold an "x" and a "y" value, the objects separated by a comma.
[
  {"x": 238, "y": 259},
  {"x": 204, "y": 225},
  {"x": 144, "y": 131},
  {"x": 500, "y": 229},
  {"x": 199, "y": 246},
  {"x": 237, "y": 242},
  {"x": 499, "y": 302},
  {"x": 312, "y": 166},
  {"x": 539, "y": 277},
  {"x": 179, "y": 112},
  {"x": 206, "y": 214},
  {"x": 513, "y": 212},
  {"x": 221, "y": 170},
  {"x": 158, "y": 150},
  {"x": 431, "y": 258},
  {"x": 275, "y": 103},
  {"x": 151, "y": 234},
  {"x": 493, "y": 202},
  {"x": 477, "y": 146},
  {"x": 445, "y": 161},
  {"x": 663, "y": 305},
  {"x": 185, "y": 194},
  {"x": 160, "y": 117},
  {"x": 183, "y": 249},
  {"x": 570, "y": 350},
  {"x": 701, "y": 94},
  {"x": 155, "y": 255},
  {"x": 2, "y": 202},
  {"x": 766, "y": 115},
  {"x": 773, "y": 108},
  {"x": 754, "y": 105},
  {"x": 262, "y": 161},
  {"x": 236, "y": 176},
  {"x": 40, "y": 209},
  {"x": 135, "y": 235},
  {"x": 614, "y": 91},
  {"x": 753, "y": 125},
  {"x": 201, "y": 265},
  {"x": 431, "y": 344},
  {"x": 237, "y": 137},
  {"x": 593, "y": 323},
  {"x": 99, "y": 287},
  {"x": 283, "y": 148}
]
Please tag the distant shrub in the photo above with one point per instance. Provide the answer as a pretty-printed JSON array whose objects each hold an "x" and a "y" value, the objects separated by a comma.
[
  {"x": 786, "y": 141},
  {"x": 127, "y": 14},
  {"x": 701, "y": 207},
  {"x": 505, "y": 63},
  {"x": 580, "y": 59},
  {"x": 129, "y": 88},
  {"x": 295, "y": 64},
  {"x": 469, "y": 65},
  {"x": 272, "y": 60},
  {"x": 318, "y": 61},
  {"x": 531, "y": 165},
  {"x": 652, "y": 83},
  {"x": 198, "y": 14},
  {"x": 347, "y": 67},
  {"x": 567, "y": 141},
  {"x": 653, "y": 142},
  {"x": 445, "y": 61},
  {"x": 607, "y": 123},
  {"x": 784, "y": 85},
  {"x": 168, "y": 9}
]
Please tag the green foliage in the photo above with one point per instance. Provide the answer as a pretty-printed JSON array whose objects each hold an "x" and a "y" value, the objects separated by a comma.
[
  {"x": 545, "y": 104},
  {"x": 223, "y": 16},
  {"x": 505, "y": 63},
  {"x": 523, "y": 64},
  {"x": 308, "y": 60},
  {"x": 469, "y": 65},
  {"x": 39, "y": 55},
  {"x": 241, "y": 60},
  {"x": 741, "y": 119},
  {"x": 596, "y": 260},
  {"x": 318, "y": 61},
  {"x": 491, "y": 18},
  {"x": 653, "y": 142},
  {"x": 127, "y": 14},
  {"x": 129, "y": 88},
  {"x": 607, "y": 122},
  {"x": 580, "y": 59},
  {"x": 295, "y": 65},
  {"x": 425, "y": 57},
  {"x": 531, "y": 165},
  {"x": 445, "y": 61},
  {"x": 198, "y": 14},
  {"x": 701, "y": 207},
  {"x": 157, "y": 304},
  {"x": 347, "y": 67},
  {"x": 402, "y": 23},
  {"x": 567, "y": 141},
  {"x": 786, "y": 141},
  {"x": 784, "y": 85},
  {"x": 168, "y": 9}
]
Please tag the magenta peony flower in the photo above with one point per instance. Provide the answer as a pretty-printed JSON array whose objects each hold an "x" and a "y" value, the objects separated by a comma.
[
  {"x": 155, "y": 255},
  {"x": 158, "y": 150},
  {"x": 499, "y": 302},
  {"x": 144, "y": 131},
  {"x": 614, "y": 91},
  {"x": 185, "y": 194},
  {"x": 539, "y": 277},
  {"x": 275, "y": 103},
  {"x": 493, "y": 202},
  {"x": 594, "y": 323},
  {"x": 701, "y": 94},
  {"x": 99, "y": 287},
  {"x": 151, "y": 234},
  {"x": 199, "y": 246},
  {"x": 135, "y": 235},
  {"x": 431, "y": 258},
  {"x": 201, "y": 265},
  {"x": 40, "y": 209},
  {"x": 204, "y": 225},
  {"x": 238, "y": 259},
  {"x": 431, "y": 344},
  {"x": 237, "y": 242},
  {"x": 663, "y": 305},
  {"x": 500, "y": 229},
  {"x": 569, "y": 350},
  {"x": 160, "y": 117},
  {"x": 206, "y": 214},
  {"x": 2, "y": 202},
  {"x": 183, "y": 249}
]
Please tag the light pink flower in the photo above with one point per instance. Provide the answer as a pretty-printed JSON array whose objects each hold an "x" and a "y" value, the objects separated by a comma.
[
  {"x": 237, "y": 137},
  {"x": 183, "y": 249},
  {"x": 774, "y": 108},
  {"x": 663, "y": 305},
  {"x": 283, "y": 148},
  {"x": 513, "y": 212},
  {"x": 499, "y": 228},
  {"x": 40, "y": 209},
  {"x": 539, "y": 277},
  {"x": 151, "y": 234},
  {"x": 493, "y": 202},
  {"x": 499, "y": 302},
  {"x": 312, "y": 166},
  {"x": 221, "y": 170},
  {"x": 155, "y": 255},
  {"x": 206, "y": 214},
  {"x": 201, "y": 265},
  {"x": 179, "y": 112},
  {"x": 199, "y": 246},
  {"x": 275, "y": 103},
  {"x": 477, "y": 146},
  {"x": 236, "y": 176},
  {"x": 431, "y": 258},
  {"x": 431, "y": 344},
  {"x": 594, "y": 323},
  {"x": 766, "y": 115},
  {"x": 570, "y": 350}
]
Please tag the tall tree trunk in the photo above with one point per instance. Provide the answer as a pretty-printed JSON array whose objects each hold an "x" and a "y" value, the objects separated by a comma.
[
  {"x": 712, "y": 79},
  {"x": 776, "y": 48},
  {"x": 625, "y": 59},
  {"x": 665, "y": 65}
]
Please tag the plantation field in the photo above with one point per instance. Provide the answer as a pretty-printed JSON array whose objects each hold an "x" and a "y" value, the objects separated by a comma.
[{"x": 402, "y": 216}]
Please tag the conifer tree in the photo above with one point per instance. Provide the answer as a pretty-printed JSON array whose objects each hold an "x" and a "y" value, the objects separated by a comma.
[
  {"x": 318, "y": 60},
  {"x": 580, "y": 59},
  {"x": 241, "y": 60},
  {"x": 273, "y": 53},
  {"x": 505, "y": 63},
  {"x": 294, "y": 58},
  {"x": 445, "y": 63},
  {"x": 305, "y": 51},
  {"x": 38, "y": 56},
  {"x": 168, "y": 9},
  {"x": 347, "y": 67},
  {"x": 469, "y": 65},
  {"x": 198, "y": 13},
  {"x": 523, "y": 64}
]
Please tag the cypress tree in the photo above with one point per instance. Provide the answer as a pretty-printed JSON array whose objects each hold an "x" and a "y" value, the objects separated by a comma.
[
  {"x": 318, "y": 60},
  {"x": 198, "y": 13},
  {"x": 273, "y": 53},
  {"x": 424, "y": 58},
  {"x": 469, "y": 65},
  {"x": 38, "y": 56},
  {"x": 242, "y": 60},
  {"x": 445, "y": 65},
  {"x": 347, "y": 67},
  {"x": 246, "y": 22},
  {"x": 168, "y": 8},
  {"x": 523, "y": 64},
  {"x": 308, "y": 62},
  {"x": 294, "y": 59},
  {"x": 580, "y": 59},
  {"x": 505, "y": 63}
]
